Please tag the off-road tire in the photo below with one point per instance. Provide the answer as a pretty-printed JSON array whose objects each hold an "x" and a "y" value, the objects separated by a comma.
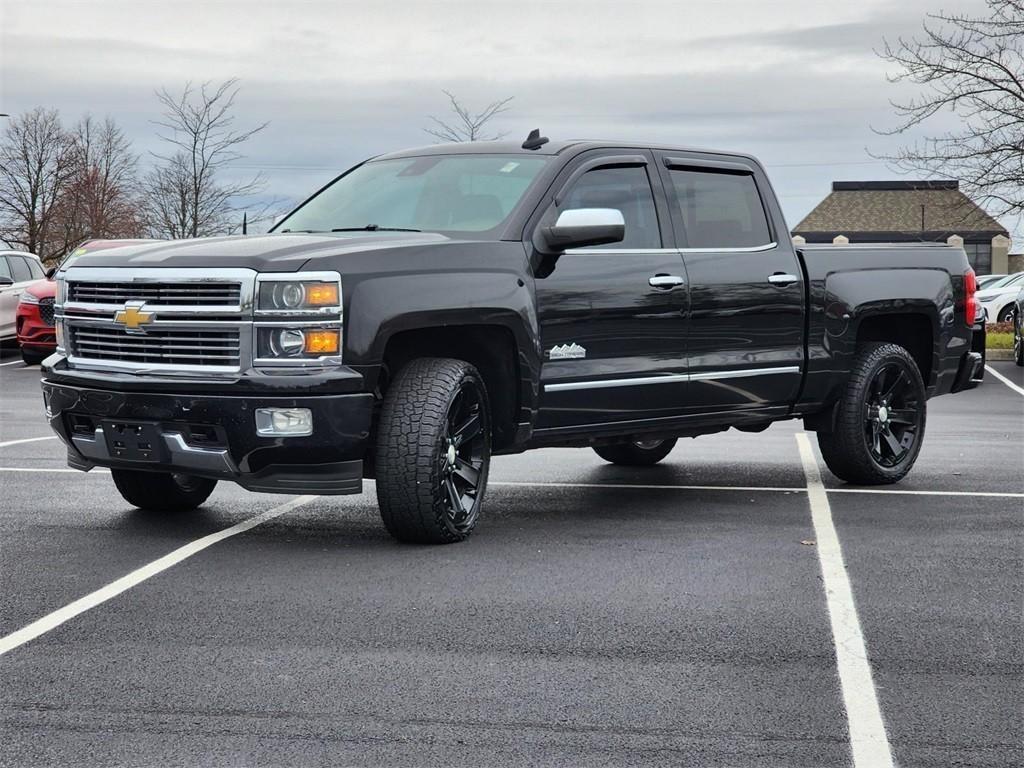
[
  {"x": 846, "y": 449},
  {"x": 413, "y": 434},
  {"x": 634, "y": 454},
  {"x": 162, "y": 491}
]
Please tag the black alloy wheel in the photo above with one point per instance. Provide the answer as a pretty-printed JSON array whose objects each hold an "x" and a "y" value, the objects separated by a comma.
[
  {"x": 892, "y": 418},
  {"x": 463, "y": 455}
]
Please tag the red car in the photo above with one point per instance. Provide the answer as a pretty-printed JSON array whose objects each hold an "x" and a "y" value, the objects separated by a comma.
[{"x": 36, "y": 334}]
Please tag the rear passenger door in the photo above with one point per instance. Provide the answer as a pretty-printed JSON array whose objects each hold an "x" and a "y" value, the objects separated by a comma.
[
  {"x": 745, "y": 343},
  {"x": 18, "y": 269}
]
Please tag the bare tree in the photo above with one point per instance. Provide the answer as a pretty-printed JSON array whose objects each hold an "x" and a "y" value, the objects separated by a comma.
[
  {"x": 186, "y": 195},
  {"x": 102, "y": 197},
  {"x": 465, "y": 125},
  {"x": 973, "y": 67},
  {"x": 36, "y": 165}
]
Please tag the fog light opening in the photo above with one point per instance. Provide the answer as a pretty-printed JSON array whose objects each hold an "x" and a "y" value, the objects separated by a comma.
[{"x": 284, "y": 422}]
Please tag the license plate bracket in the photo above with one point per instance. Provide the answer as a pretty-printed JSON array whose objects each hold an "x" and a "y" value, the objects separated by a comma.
[{"x": 134, "y": 441}]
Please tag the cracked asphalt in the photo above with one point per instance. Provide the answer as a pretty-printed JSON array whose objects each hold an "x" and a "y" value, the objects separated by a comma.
[{"x": 598, "y": 616}]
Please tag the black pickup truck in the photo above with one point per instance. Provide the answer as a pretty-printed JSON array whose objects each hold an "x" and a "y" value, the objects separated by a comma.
[{"x": 433, "y": 307}]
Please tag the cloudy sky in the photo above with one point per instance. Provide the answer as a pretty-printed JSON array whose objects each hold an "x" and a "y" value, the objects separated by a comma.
[{"x": 792, "y": 81}]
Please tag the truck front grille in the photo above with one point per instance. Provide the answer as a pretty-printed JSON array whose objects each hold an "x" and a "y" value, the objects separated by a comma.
[
  {"x": 157, "y": 294},
  {"x": 170, "y": 347}
]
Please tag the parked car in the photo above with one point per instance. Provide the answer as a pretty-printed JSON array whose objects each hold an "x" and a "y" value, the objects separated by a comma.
[
  {"x": 986, "y": 281},
  {"x": 432, "y": 307},
  {"x": 18, "y": 270},
  {"x": 998, "y": 298},
  {"x": 1018, "y": 328},
  {"x": 34, "y": 318}
]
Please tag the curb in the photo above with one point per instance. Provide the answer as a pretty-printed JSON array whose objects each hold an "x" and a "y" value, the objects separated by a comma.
[{"x": 998, "y": 354}]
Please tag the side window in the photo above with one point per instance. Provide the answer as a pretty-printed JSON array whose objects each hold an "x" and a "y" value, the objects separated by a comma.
[
  {"x": 626, "y": 189},
  {"x": 720, "y": 209},
  {"x": 34, "y": 268},
  {"x": 19, "y": 269},
  {"x": 5, "y": 270}
]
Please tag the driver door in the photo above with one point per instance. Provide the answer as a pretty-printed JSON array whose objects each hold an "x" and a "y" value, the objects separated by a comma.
[{"x": 613, "y": 317}]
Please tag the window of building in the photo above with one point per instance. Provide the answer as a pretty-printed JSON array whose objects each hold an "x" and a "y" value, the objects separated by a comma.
[{"x": 980, "y": 257}]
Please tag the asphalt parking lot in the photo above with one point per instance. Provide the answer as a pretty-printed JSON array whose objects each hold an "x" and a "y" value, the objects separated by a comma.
[{"x": 599, "y": 616}]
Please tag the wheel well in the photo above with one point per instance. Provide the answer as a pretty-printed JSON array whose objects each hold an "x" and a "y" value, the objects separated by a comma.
[
  {"x": 911, "y": 331},
  {"x": 490, "y": 348}
]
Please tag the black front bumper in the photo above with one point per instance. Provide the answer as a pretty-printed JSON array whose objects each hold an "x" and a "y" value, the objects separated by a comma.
[{"x": 214, "y": 435}]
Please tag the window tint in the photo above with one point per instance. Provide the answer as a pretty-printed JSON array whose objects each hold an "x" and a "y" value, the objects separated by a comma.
[
  {"x": 5, "y": 271},
  {"x": 626, "y": 189},
  {"x": 35, "y": 269},
  {"x": 720, "y": 210},
  {"x": 19, "y": 269}
]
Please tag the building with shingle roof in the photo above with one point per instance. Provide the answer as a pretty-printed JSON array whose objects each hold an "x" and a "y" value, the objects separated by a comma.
[{"x": 906, "y": 211}]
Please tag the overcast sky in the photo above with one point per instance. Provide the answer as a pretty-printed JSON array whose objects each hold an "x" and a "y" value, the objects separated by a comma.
[{"x": 794, "y": 82}]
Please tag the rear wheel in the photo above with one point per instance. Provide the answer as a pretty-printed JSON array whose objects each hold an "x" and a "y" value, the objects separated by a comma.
[
  {"x": 162, "y": 491},
  {"x": 1005, "y": 314},
  {"x": 433, "y": 451},
  {"x": 1018, "y": 337},
  {"x": 638, "y": 453},
  {"x": 881, "y": 418}
]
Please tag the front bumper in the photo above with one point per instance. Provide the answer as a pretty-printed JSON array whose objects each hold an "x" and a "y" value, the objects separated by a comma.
[
  {"x": 215, "y": 435},
  {"x": 33, "y": 332}
]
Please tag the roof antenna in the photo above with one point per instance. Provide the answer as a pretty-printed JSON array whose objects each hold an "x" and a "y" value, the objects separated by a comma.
[{"x": 535, "y": 140}]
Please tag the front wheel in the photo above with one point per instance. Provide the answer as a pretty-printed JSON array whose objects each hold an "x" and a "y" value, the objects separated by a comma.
[
  {"x": 433, "y": 451},
  {"x": 880, "y": 421},
  {"x": 1005, "y": 314},
  {"x": 162, "y": 491},
  {"x": 31, "y": 357},
  {"x": 639, "y": 453}
]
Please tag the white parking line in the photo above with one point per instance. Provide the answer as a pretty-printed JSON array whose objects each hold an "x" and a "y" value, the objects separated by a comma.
[
  {"x": 868, "y": 741},
  {"x": 136, "y": 577},
  {"x": 649, "y": 487},
  {"x": 12, "y": 362},
  {"x": 27, "y": 440},
  {"x": 1005, "y": 380}
]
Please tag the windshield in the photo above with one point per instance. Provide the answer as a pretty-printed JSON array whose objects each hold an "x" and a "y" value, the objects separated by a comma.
[{"x": 435, "y": 193}]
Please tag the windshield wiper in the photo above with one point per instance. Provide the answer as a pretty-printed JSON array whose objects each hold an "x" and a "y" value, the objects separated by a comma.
[
  {"x": 301, "y": 231},
  {"x": 374, "y": 228}
]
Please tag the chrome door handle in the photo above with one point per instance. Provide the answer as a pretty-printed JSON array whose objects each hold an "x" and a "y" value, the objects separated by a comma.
[
  {"x": 782, "y": 279},
  {"x": 666, "y": 281}
]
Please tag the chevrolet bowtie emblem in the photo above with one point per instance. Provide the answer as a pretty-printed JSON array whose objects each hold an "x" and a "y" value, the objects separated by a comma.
[{"x": 132, "y": 316}]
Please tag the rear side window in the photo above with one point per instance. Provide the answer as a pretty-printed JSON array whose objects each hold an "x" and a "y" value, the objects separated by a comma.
[
  {"x": 720, "y": 209},
  {"x": 19, "y": 269},
  {"x": 5, "y": 270},
  {"x": 626, "y": 189},
  {"x": 35, "y": 269}
]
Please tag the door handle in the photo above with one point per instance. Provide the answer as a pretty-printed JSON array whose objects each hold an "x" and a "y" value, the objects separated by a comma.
[
  {"x": 666, "y": 281},
  {"x": 782, "y": 279}
]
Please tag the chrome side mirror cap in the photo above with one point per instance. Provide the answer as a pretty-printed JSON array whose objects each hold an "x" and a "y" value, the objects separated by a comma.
[{"x": 580, "y": 227}]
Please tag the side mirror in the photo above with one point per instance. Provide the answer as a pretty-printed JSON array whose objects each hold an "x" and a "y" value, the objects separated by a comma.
[
  {"x": 580, "y": 227},
  {"x": 50, "y": 273},
  {"x": 5, "y": 281}
]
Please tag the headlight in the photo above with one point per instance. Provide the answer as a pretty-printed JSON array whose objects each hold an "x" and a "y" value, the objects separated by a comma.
[
  {"x": 298, "y": 296},
  {"x": 297, "y": 343},
  {"x": 29, "y": 298}
]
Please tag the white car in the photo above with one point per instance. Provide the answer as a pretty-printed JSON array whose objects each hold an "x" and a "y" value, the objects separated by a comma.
[
  {"x": 17, "y": 270},
  {"x": 997, "y": 300}
]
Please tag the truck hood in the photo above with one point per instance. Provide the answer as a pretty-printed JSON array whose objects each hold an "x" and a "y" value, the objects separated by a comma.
[{"x": 284, "y": 252}]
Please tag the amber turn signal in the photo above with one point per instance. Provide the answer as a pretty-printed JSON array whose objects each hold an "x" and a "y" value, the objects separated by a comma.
[
  {"x": 323, "y": 342},
  {"x": 322, "y": 294}
]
